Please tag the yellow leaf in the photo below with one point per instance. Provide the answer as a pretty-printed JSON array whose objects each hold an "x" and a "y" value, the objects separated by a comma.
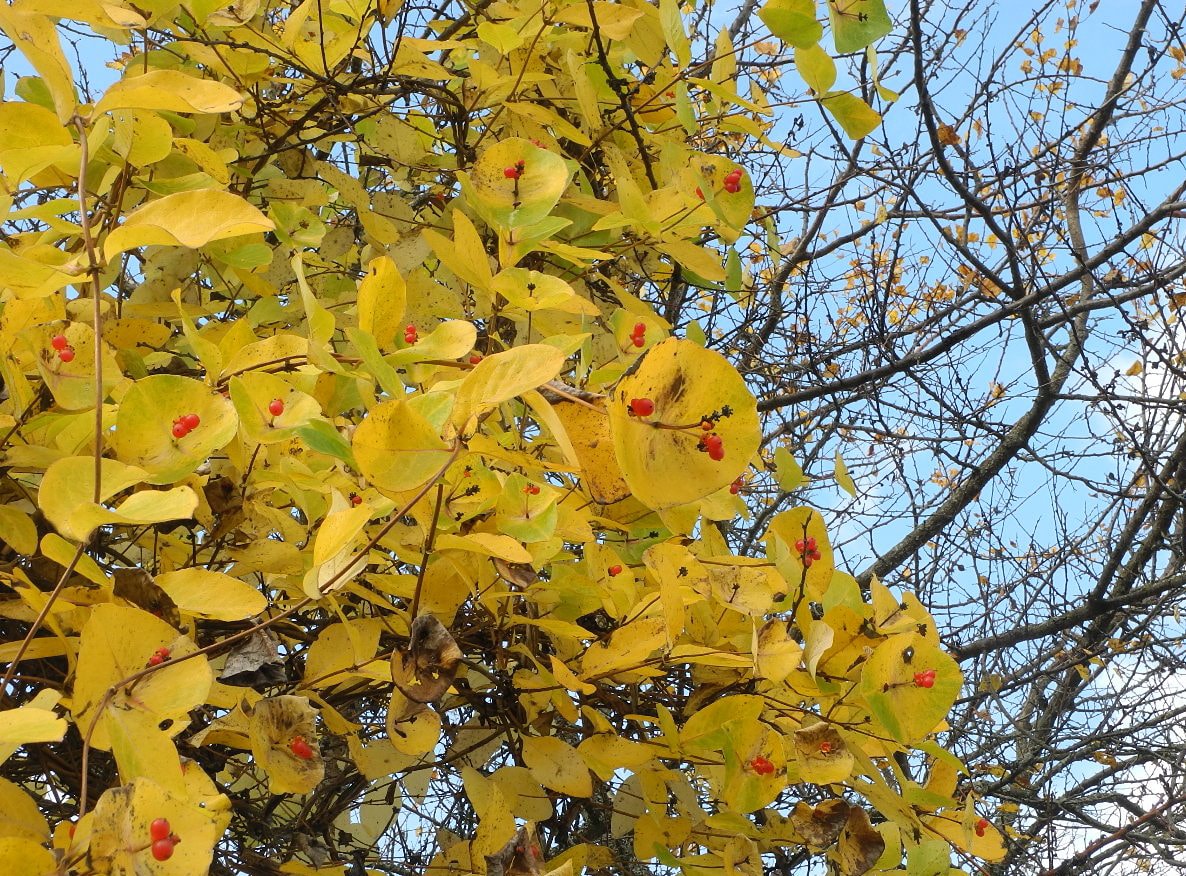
[
  {"x": 397, "y": 449},
  {"x": 214, "y": 595},
  {"x": 19, "y": 816},
  {"x": 503, "y": 376},
  {"x": 117, "y": 643},
  {"x": 170, "y": 90},
  {"x": 67, "y": 491},
  {"x": 36, "y": 37},
  {"x": 29, "y": 724},
  {"x": 822, "y": 754},
  {"x": 687, "y": 384},
  {"x": 190, "y": 219},
  {"x": 555, "y": 764},
  {"x": 18, "y": 530},
  {"x": 588, "y": 430},
  {"x": 275, "y": 723},
  {"x": 382, "y": 299},
  {"x": 143, "y": 427},
  {"x": 843, "y": 478}
]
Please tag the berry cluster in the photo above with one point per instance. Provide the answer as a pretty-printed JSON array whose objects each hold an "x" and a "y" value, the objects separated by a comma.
[
  {"x": 515, "y": 171},
  {"x": 638, "y": 336},
  {"x": 733, "y": 180},
  {"x": 163, "y": 839},
  {"x": 185, "y": 424},
  {"x": 981, "y": 826},
  {"x": 301, "y": 748},
  {"x": 531, "y": 489},
  {"x": 62, "y": 345},
  {"x": 808, "y": 550},
  {"x": 410, "y": 335},
  {"x": 641, "y": 407},
  {"x": 159, "y": 656},
  {"x": 276, "y": 407},
  {"x": 761, "y": 766},
  {"x": 355, "y": 499},
  {"x": 737, "y": 486},
  {"x": 614, "y": 571},
  {"x": 712, "y": 444},
  {"x": 926, "y": 678}
]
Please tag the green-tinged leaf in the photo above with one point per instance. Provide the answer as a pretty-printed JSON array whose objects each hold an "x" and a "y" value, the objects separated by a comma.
[
  {"x": 856, "y": 117},
  {"x": 793, "y": 21},
  {"x": 858, "y": 23}
]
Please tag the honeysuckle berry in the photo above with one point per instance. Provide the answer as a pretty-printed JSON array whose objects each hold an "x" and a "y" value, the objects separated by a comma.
[
  {"x": 59, "y": 342},
  {"x": 475, "y": 358},
  {"x": 707, "y": 425},
  {"x": 156, "y": 660},
  {"x": 926, "y": 678},
  {"x": 162, "y": 849},
  {"x": 355, "y": 499},
  {"x": 179, "y": 430},
  {"x": 640, "y": 330},
  {"x": 300, "y": 748},
  {"x": 716, "y": 454},
  {"x": 736, "y": 486},
  {"x": 410, "y": 334},
  {"x": 66, "y": 355},
  {"x": 191, "y": 421},
  {"x": 614, "y": 571},
  {"x": 510, "y": 173},
  {"x": 825, "y": 747},
  {"x": 762, "y": 766},
  {"x": 276, "y": 407},
  {"x": 642, "y": 407},
  {"x": 159, "y": 829},
  {"x": 531, "y": 489},
  {"x": 981, "y": 826}
]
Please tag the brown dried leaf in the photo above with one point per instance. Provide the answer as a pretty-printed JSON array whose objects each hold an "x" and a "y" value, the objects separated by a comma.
[
  {"x": 819, "y": 826},
  {"x": 137, "y": 587},
  {"x": 255, "y": 662},
  {"x": 860, "y": 845},
  {"x": 521, "y": 856},
  {"x": 425, "y": 671}
]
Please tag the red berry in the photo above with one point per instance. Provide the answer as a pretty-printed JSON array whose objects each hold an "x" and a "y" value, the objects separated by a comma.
[
  {"x": 66, "y": 355},
  {"x": 156, "y": 660},
  {"x": 761, "y": 766},
  {"x": 191, "y": 421},
  {"x": 301, "y": 748},
  {"x": 642, "y": 407},
  {"x": 410, "y": 334},
  {"x": 475, "y": 358},
  {"x": 825, "y": 747},
  {"x": 734, "y": 174},
  {"x": 707, "y": 425},
  {"x": 736, "y": 486},
  {"x": 615, "y": 571},
  {"x": 276, "y": 407},
  {"x": 159, "y": 829},
  {"x": 355, "y": 499},
  {"x": 638, "y": 341},
  {"x": 531, "y": 489},
  {"x": 510, "y": 173},
  {"x": 162, "y": 849},
  {"x": 926, "y": 678},
  {"x": 732, "y": 186},
  {"x": 716, "y": 454},
  {"x": 179, "y": 430},
  {"x": 59, "y": 342},
  {"x": 163, "y": 653},
  {"x": 712, "y": 439},
  {"x": 640, "y": 329}
]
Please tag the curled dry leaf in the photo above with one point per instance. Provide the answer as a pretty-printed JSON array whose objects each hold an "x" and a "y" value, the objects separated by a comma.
[
  {"x": 255, "y": 662},
  {"x": 137, "y": 587},
  {"x": 425, "y": 670},
  {"x": 820, "y": 825},
  {"x": 521, "y": 856}
]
